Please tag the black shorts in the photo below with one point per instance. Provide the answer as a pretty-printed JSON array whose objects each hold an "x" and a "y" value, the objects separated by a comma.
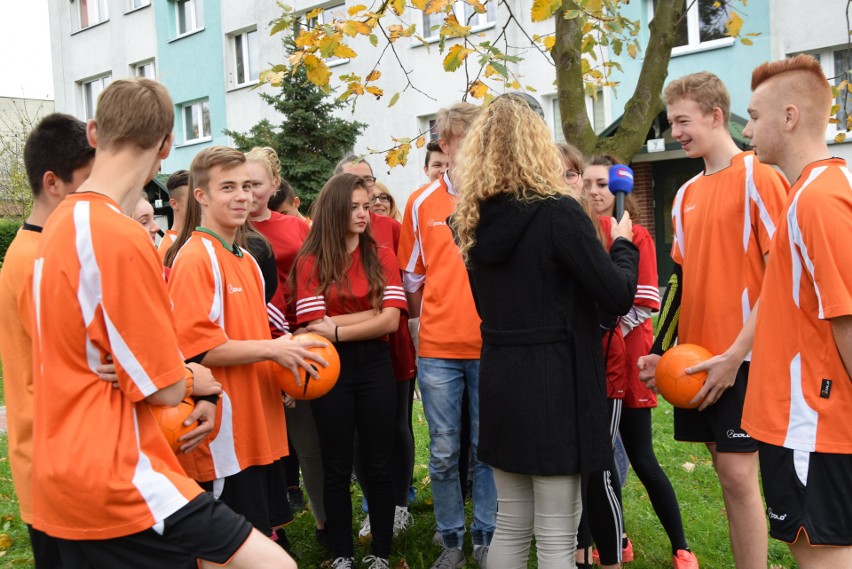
[
  {"x": 719, "y": 423},
  {"x": 259, "y": 493},
  {"x": 810, "y": 491},
  {"x": 45, "y": 549},
  {"x": 205, "y": 528}
]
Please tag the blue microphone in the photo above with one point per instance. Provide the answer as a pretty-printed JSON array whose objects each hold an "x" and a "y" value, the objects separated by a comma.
[{"x": 620, "y": 184}]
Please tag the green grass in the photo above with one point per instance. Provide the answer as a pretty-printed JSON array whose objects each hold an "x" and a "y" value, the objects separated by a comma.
[{"x": 698, "y": 492}]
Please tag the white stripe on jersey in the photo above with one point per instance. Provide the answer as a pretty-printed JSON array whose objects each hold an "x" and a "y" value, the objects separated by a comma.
[
  {"x": 90, "y": 296},
  {"x": 223, "y": 449},
  {"x": 797, "y": 242},
  {"x": 160, "y": 495},
  {"x": 310, "y": 304},
  {"x": 217, "y": 307},
  {"x": 677, "y": 216},
  {"x": 417, "y": 249},
  {"x": 802, "y": 428},
  {"x": 276, "y": 318},
  {"x": 752, "y": 194}
]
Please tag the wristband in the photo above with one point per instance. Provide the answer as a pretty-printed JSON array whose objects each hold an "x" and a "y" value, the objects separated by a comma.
[
  {"x": 188, "y": 378},
  {"x": 214, "y": 399},
  {"x": 336, "y": 337}
]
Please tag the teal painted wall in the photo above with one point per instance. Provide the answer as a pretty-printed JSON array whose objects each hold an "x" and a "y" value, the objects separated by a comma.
[
  {"x": 733, "y": 64},
  {"x": 192, "y": 68}
]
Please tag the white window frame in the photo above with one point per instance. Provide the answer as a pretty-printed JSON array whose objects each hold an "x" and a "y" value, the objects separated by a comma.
[
  {"x": 241, "y": 50},
  {"x": 194, "y": 16},
  {"x": 826, "y": 61},
  {"x": 142, "y": 66},
  {"x": 90, "y": 89},
  {"x": 555, "y": 115},
  {"x": 693, "y": 31},
  {"x": 461, "y": 10},
  {"x": 196, "y": 108},
  {"x": 137, "y": 4},
  {"x": 325, "y": 17},
  {"x": 97, "y": 11}
]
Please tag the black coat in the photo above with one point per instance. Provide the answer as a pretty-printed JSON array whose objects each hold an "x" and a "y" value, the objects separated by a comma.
[{"x": 538, "y": 274}]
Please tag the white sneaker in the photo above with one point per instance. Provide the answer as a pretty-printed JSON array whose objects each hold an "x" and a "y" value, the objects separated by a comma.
[
  {"x": 401, "y": 519},
  {"x": 480, "y": 553},
  {"x": 450, "y": 559},
  {"x": 343, "y": 563},
  {"x": 373, "y": 562},
  {"x": 365, "y": 532}
]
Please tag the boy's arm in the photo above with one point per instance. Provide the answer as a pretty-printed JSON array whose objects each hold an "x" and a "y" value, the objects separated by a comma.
[{"x": 841, "y": 328}]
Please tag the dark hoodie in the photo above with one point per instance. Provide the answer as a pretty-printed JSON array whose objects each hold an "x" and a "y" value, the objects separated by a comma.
[{"x": 538, "y": 272}]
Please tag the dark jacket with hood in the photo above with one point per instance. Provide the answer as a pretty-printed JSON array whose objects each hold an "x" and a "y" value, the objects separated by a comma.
[{"x": 538, "y": 274}]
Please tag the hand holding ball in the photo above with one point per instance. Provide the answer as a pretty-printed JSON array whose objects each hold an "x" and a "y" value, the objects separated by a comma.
[
  {"x": 674, "y": 383},
  {"x": 310, "y": 388},
  {"x": 171, "y": 421}
]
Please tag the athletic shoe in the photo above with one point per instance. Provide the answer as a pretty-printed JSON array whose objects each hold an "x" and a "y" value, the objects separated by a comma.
[
  {"x": 373, "y": 562},
  {"x": 343, "y": 563},
  {"x": 626, "y": 554},
  {"x": 480, "y": 553},
  {"x": 450, "y": 559},
  {"x": 685, "y": 560},
  {"x": 365, "y": 532},
  {"x": 401, "y": 519},
  {"x": 323, "y": 538},
  {"x": 296, "y": 499}
]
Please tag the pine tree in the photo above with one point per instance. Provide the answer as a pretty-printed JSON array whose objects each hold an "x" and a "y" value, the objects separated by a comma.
[{"x": 309, "y": 140}]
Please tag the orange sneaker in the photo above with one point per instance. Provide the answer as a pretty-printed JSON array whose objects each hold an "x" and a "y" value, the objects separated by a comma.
[
  {"x": 626, "y": 554},
  {"x": 685, "y": 560}
]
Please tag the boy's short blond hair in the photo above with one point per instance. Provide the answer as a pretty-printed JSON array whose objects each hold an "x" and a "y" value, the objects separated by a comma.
[
  {"x": 223, "y": 156},
  {"x": 134, "y": 111},
  {"x": 455, "y": 120},
  {"x": 704, "y": 88}
]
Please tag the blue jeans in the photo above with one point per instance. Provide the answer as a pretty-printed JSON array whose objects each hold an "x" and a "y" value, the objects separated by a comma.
[{"x": 442, "y": 382}]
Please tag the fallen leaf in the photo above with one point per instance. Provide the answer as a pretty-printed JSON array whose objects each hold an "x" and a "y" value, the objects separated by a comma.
[{"x": 688, "y": 466}]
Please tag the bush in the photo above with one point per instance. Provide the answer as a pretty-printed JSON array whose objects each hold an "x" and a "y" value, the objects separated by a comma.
[{"x": 8, "y": 230}]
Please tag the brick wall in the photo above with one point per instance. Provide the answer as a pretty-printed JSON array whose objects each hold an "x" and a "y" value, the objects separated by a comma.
[{"x": 643, "y": 193}]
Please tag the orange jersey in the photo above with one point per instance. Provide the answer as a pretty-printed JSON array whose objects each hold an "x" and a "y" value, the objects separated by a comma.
[
  {"x": 799, "y": 395},
  {"x": 449, "y": 323},
  {"x": 101, "y": 466},
  {"x": 17, "y": 356},
  {"x": 166, "y": 243},
  {"x": 218, "y": 296},
  {"x": 723, "y": 224}
]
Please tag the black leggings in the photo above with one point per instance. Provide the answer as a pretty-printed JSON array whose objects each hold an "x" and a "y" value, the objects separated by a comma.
[
  {"x": 363, "y": 400},
  {"x": 636, "y": 436}
]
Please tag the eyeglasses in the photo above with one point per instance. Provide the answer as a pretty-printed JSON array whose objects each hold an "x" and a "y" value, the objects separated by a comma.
[
  {"x": 571, "y": 175},
  {"x": 369, "y": 181},
  {"x": 384, "y": 198}
]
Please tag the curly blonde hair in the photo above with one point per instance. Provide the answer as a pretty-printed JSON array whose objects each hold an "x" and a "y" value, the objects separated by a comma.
[
  {"x": 508, "y": 150},
  {"x": 269, "y": 158}
]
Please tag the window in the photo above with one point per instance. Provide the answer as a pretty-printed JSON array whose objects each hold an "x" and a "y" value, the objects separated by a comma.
[
  {"x": 190, "y": 16},
  {"x": 196, "y": 121},
  {"x": 91, "y": 90},
  {"x": 464, "y": 13},
  {"x": 594, "y": 108},
  {"x": 837, "y": 66},
  {"x": 134, "y": 4},
  {"x": 145, "y": 69},
  {"x": 91, "y": 12},
  {"x": 702, "y": 27},
  {"x": 246, "y": 62},
  {"x": 327, "y": 16}
]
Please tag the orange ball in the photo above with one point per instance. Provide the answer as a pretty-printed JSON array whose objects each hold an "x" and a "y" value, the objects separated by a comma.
[
  {"x": 674, "y": 384},
  {"x": 311, "y": 388},
  {"x": 171, "y": 421}
]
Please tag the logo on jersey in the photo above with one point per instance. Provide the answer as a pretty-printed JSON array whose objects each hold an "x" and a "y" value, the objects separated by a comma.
[
  {"x": 774, "y": 516},
  {"x": 433, "y": 223},
  {"x": 732, "y": 434},
  {"x": 689, "y": 208},
  {"x": 232, "y": 289}
]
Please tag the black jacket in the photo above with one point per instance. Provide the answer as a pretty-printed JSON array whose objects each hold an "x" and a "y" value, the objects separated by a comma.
[{"x": 538, "y": 274}]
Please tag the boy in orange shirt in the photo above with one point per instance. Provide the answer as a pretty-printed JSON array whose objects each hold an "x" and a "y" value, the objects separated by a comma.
[
  {"x": 106, "y": 484},
  {"x": 800, "y": 394},
  {"x": 724, "y": 219},
  {"x": 58, "y": 158}
]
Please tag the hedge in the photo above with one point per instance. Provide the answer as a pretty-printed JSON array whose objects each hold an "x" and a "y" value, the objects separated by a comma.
[{"x": 8, "y": 230}]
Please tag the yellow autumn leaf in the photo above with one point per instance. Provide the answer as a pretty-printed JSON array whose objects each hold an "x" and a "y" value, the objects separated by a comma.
[
  {"x": 453, "y": 29},
  {"x": 478, "y": 89},
  {"x": 306, "y": 39},
  {"x": 373, "y": 75},
  {"x": 353, "y": 27},
  {"x": 395, "y": 32},
  {"x": 419, "y": 4},
  {"x": 734, "y": 25},
  {"x": 275, "y": 78},
  {"x": 455, "y": 56},
  {"x": 421, "y": 140},
  {"x": 746, "y": 41},
  {"x": 631, "y": 50},
  {"x": 343, "y": 51},
  {"x": 355, "y": 9},
  {"x": 313, "y": 14},
  {"x": 840, "y": 138},
  {"x": 544, "y": 9},
  {"x": 549, "y": 42},
  {"x": 328, "y": 45},
  {"x": 398, "y": 6},
  {"x": 398, "y": 156},
  {"x": 373, "y": 90},
  {"x": 356, "y": 88},
  {"x": 317, "y": 71},
  {"x": 477, "y": 6},
  {"x": 434, "y": 6},
  {"x": 593, "y": 6},
  {"x": 5, "y": 541}
]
